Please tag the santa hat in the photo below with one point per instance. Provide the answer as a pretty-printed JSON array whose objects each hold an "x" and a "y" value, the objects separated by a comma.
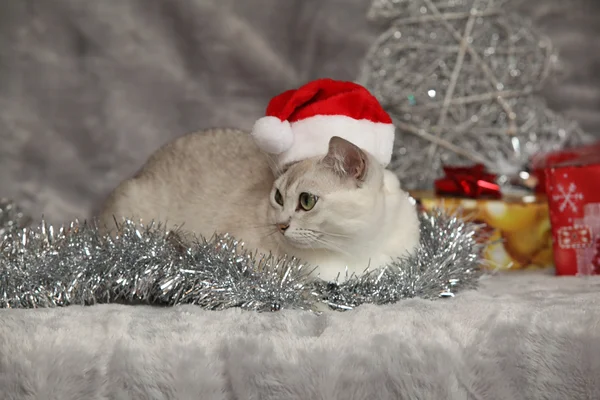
[{"x": 299, "y": 123}]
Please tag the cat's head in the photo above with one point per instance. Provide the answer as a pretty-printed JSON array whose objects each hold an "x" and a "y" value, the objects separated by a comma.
[{"x": 331, "y": 202}]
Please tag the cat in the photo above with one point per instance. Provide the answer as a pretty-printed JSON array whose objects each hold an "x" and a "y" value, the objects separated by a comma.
[{"x": 341, "y": 213}]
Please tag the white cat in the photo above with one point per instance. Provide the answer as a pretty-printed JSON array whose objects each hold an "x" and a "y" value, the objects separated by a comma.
[{"x": 341, "y": 211}]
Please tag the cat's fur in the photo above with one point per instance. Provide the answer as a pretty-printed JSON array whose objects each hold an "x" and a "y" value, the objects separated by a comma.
[{"x": 218, "y": 181}]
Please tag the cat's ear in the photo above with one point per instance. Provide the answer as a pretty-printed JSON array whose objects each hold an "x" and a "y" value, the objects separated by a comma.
[{"x": 346, "y": 159}]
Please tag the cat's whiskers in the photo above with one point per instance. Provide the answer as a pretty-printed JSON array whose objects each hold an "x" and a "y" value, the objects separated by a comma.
[
  {"x": 309, "y": 237},
  {"x": 334, "y": 239},
  {"x": 302, "y": 238},
  {"x": 312, "y": 238},
  {"x": 310, "y": 246},
  {"x": 333, "y": 246},
  {"x": 330, "y": 234}
]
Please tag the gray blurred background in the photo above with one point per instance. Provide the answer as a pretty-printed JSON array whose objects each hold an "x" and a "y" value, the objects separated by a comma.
[{"x": 89, "y": 89}]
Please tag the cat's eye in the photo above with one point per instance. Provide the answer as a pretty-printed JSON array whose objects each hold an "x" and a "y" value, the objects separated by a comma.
[
  {"x": 307, "y": 201},
  {"x": 278, "y": 197}
]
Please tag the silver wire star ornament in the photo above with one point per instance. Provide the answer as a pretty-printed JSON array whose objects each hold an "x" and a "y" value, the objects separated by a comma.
[{"x": 459, "y": 78}]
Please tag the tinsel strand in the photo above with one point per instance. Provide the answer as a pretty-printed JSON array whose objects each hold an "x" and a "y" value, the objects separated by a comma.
[
  {"x": 12, "y": 218},
  {"x": 76, "y": 264}
]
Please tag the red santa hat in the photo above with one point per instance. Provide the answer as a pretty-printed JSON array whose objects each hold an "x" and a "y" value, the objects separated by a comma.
[{"x": 300, "y": 122}]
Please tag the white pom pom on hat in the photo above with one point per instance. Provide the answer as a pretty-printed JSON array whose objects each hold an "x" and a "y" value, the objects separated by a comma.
[
  {"x": 273, "y": 135},
  {"x": 300, "y": 122}
]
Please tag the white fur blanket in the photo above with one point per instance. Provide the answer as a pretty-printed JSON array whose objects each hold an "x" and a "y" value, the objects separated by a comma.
[{"x": 520, "y": 336}]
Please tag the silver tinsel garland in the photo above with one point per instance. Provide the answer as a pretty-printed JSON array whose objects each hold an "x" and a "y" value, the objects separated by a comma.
[
  {"x": 47, "y": 267},
  {"x": 12, "y": 218},
  {"x": 460, "y": 77}
]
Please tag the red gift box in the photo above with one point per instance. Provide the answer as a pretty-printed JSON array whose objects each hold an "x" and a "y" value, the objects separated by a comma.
[
  {"x": 541, "y": 162},
  {"x": 573, "y": 190}
]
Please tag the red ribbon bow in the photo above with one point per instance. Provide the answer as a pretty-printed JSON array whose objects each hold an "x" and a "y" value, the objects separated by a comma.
[{"x": 473, "y": 182}]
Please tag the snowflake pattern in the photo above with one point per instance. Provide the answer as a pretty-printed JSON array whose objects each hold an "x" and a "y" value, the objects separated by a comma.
[{"x": 567, "y": 198}]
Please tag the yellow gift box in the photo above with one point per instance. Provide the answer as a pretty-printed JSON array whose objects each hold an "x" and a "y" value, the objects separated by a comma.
[{"x": 519, "y": 228}]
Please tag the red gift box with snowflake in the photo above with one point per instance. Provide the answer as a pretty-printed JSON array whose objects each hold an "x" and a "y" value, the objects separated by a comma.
[{"x": 573, "y": 190}]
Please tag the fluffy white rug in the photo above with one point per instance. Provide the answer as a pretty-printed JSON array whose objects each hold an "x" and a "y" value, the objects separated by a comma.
[{"x": 520, "y": 336}]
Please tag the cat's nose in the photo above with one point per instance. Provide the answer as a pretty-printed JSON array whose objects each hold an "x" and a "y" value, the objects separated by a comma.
[{"x": 283, "y": 226}]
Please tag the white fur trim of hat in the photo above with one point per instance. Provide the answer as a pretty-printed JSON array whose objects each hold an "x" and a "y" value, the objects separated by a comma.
[{"x": 299, "y": 123}]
